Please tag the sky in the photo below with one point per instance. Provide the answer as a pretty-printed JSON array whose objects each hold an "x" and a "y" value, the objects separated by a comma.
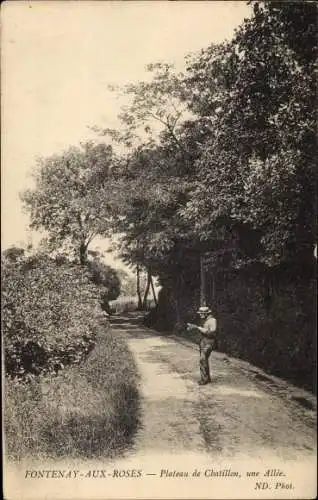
[{"x": 57, "y": 60}]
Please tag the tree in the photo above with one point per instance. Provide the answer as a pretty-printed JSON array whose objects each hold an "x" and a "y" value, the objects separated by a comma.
[
  {"x": 257, "y": 96},
  {"x": 68, "y": 200},
  {"x": 153, "y": 108},
  {"x": 151, "y": 181}
]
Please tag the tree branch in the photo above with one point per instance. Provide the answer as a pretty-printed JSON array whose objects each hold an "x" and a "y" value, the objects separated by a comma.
[{"x": 170, "y": 129}]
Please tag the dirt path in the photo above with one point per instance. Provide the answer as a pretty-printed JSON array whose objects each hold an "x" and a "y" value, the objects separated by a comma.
[{"x": 238, "y": 415}]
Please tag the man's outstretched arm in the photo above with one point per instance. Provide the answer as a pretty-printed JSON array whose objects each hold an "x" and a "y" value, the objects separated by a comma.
[{"x": 205, "y": 330}]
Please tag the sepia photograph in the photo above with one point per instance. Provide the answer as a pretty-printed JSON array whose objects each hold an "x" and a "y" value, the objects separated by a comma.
[{"x": 159, "y": 249}]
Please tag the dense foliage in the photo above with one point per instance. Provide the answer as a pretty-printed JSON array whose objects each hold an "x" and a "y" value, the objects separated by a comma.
[
  {"x": 49, "y": 315},
  {"x": 257, "y": 96},
  {"x": 231, "y": 167}
]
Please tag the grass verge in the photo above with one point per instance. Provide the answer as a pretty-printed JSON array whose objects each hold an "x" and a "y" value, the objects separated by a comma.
[{"x": 86, "y": 411}]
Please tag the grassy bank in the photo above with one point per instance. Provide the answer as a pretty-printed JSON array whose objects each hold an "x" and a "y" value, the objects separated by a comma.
[{"x": 88, "y": 410}]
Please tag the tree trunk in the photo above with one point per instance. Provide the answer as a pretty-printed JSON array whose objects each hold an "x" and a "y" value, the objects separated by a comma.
[
  {"x": 139, "y": 306},
  {"x": 147, "y": 290},
  {"x": 83, "y": 254},
  {"x": 202, "y": 282},
  {"x": 153, "y": 291}
]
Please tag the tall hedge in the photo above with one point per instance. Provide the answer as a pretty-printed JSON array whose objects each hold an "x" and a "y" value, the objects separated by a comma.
[
  {"x": 271, "y": 326},
  {"x": 49, "y": 313}
]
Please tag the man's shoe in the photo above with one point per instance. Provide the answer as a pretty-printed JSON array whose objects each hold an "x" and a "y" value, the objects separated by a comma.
[{"x": 204, "y": 382}]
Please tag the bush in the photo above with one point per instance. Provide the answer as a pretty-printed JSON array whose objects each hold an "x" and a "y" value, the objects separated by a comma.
[
  {"x": 49, "y": 315},
  {"x": 106, "y": 278},
  {"x": 88, "y": 410}
]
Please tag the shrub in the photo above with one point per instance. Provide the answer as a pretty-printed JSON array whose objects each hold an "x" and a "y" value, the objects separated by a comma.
[
  {"x": 88, "y": 410},
  {"x": 49, "y": 314},
  {"x": 106, "y": 278}
]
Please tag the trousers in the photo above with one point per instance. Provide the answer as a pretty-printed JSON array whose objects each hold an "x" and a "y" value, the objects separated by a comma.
[{"x": 206, "y": 347}]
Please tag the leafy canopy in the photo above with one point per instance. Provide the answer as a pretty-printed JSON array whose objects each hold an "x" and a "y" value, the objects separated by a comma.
[{"x": 68, "y": 201}]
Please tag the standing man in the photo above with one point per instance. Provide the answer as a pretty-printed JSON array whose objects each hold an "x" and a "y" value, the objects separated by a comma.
[{"x": 207, "y": 329}]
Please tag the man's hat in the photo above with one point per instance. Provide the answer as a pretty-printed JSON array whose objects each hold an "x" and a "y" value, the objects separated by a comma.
[{"x": 204, "y": 310}]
